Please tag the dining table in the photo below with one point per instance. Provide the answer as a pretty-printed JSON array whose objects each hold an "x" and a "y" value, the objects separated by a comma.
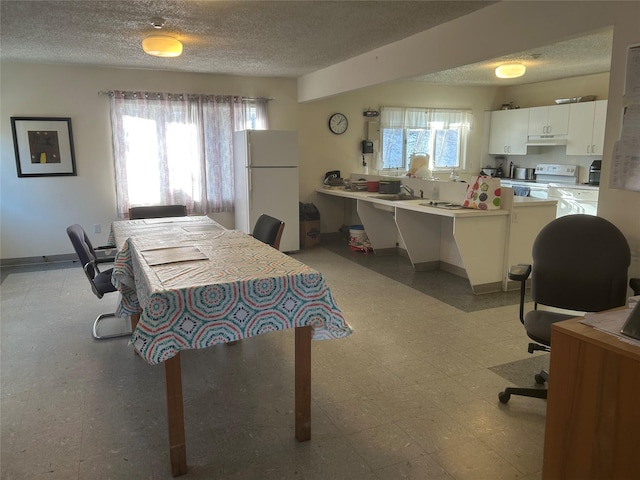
[{"x": 190, "y": 283}]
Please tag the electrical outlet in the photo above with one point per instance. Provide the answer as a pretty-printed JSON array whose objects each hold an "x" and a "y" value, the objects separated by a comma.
[{"x": 97, "y": 228}]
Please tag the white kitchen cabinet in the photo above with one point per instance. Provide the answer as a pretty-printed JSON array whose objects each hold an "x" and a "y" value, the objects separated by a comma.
[
  {"x": 549, "y": 120},
  {"x": 586, "y": 128},
  {"x": 508, "y": 132}
]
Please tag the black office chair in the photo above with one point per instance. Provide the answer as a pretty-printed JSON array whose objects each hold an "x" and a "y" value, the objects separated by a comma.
[
  {"x": 157, "y": 211},
  {"x": 100, "y": 281},
  {"x": 580, "y": 263},
  {"x": 268, "y": 230}
]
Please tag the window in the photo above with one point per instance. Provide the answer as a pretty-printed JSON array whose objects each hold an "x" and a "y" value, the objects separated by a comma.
[
  {"x": 178, "y": 148},
  {"x": 440, "y": 133}
]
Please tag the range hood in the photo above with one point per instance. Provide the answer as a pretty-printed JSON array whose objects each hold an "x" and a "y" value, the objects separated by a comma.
[{"x": 546, "y": 140}]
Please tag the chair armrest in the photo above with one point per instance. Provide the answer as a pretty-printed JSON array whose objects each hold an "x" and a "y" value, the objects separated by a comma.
[
  {"x": 634, "y": 283},
  {"x": 520, "y": 272},
  {"x": 106, "y": 258}
]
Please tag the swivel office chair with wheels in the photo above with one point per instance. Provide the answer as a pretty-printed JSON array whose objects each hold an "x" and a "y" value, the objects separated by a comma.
[
  {"x": 100, "y": 281},
  {"x": 268, "y": 230},
  {"x": 157, "y": 211},
  {"x": 580, "y": 263}
]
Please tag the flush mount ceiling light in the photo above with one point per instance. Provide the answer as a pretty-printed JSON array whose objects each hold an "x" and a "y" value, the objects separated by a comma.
[
  {"x": 161, "y": 45},
  {"x": 510, "y": 70}
]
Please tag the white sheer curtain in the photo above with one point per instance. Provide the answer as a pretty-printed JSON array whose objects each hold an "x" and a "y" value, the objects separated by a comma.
[
  {"x": 441, "y": 133},
  {"x": 178, "y": 148}
]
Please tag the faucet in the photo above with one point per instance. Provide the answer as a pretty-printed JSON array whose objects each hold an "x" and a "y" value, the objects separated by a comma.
[{"x": 407, "y": 189}]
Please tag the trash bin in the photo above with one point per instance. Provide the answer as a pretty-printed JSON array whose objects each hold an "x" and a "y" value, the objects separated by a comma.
[
  {"x": 358, "y": 239},
  {"x": 309, "y": 225}
]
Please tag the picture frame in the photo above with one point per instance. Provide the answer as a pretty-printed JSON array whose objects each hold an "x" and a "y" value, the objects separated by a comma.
[{"x": 43, "y": 146}]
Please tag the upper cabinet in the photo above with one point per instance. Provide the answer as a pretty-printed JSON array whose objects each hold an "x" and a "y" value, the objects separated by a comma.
[
  {"x": 586, "y": 128},
  {"x": 549, "y": 120},
  {"x": 508, "y": 132}
]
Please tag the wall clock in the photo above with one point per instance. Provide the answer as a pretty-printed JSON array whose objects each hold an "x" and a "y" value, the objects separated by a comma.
[{"x": 338, "y": 123}]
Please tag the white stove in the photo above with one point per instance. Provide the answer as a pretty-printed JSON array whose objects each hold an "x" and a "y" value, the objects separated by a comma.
[
  {"x": 556, "y": 173},
  {"x": 559, "y": 182}
]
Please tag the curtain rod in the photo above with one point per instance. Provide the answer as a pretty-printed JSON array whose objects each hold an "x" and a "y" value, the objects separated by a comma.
[{"x": 110, "y": 93}]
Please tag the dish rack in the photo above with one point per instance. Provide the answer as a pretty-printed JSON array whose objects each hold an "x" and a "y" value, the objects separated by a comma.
[{"x": 359, "y": 185}]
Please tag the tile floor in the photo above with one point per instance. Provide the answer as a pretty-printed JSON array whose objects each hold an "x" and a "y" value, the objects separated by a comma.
[{"x": 410, "y": 395}]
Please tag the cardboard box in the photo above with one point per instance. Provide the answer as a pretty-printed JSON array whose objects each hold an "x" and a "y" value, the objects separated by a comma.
[{"x": 309, "y": 233}]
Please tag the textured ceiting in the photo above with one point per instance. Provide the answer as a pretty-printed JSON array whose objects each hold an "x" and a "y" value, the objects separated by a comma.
[{"x": 263, "y": 38}]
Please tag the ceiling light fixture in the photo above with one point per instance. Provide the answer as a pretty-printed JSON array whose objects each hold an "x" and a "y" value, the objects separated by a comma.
[
  {"x": 161, "y": 45},
  {"x": 510, "y": 70}
]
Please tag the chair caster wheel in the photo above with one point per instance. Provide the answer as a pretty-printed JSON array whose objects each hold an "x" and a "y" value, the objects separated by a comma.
[
  {"x": 540, "y": 380},
  {"x": 504, "y": 397}
]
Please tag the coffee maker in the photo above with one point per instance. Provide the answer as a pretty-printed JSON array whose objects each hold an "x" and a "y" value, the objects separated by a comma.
[{"x": 594, "y": 172}]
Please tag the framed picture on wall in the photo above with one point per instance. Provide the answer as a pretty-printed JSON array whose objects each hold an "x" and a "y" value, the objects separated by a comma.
[{"x": 43, "y": 146}]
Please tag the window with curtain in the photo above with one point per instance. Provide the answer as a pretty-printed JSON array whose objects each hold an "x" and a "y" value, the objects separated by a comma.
[
  {"x": 440, "y": 133},
  {"x": 178, "y": 148}
]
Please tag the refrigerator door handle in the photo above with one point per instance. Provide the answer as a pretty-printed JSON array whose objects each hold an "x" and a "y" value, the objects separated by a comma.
[
  {"x": 249, "y": 163},
  {"x": 250, "y": 185}
]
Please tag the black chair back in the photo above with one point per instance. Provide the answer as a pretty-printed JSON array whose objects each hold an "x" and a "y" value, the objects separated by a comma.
[
  {"x": 268, "y": 230},
  {"x": 100, "y": 281},
  {"x": 84, "y": 249},
  {"x": 580, "y": 262},
  {"x": 157, "y": 211}
]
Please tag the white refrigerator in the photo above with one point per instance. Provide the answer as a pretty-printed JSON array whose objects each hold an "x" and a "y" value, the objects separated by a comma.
[{"x": 266, "y": 181}]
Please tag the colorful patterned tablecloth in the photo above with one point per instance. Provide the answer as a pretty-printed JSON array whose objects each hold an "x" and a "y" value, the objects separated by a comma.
[{"x": 243, "y": 288}]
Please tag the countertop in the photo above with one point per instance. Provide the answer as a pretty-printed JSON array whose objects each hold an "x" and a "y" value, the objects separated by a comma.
[
  {"x": 417, "y": 204},
  {"x": 508, "y": 182}
]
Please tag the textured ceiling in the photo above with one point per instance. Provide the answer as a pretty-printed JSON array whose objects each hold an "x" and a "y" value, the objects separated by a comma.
[
  {"x": 585, "y": 55},
  {"x": 258, "y": 38}
]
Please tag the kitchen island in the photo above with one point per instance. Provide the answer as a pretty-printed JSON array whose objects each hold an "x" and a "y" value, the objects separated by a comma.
[{"x": 477, "y": 244}]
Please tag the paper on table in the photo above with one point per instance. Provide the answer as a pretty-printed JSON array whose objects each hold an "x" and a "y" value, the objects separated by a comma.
[
  {"x": 161, "y": 256},
  {"x": 610, "y": 322}
]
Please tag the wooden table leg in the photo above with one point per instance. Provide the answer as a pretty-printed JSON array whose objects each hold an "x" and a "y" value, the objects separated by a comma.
[
  {"x": 134, "y": 318},
  {"x": 175, "y": 415},
  {"x": 303, "y": 383}
]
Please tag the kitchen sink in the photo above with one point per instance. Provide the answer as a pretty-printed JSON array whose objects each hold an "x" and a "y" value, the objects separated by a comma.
[{"x": 394, "y": 197}]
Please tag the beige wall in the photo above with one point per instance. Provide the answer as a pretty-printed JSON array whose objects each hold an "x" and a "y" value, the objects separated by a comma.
[
  {"x": 36, "y": 211},
  {"x": 501, "y": 29},
  {"x": 323, "y": 151},
  {"x": 545, "y": 93}
]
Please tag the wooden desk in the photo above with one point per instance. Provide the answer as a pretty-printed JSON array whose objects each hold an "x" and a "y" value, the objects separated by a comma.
[{"x": 593, "y": 408}]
